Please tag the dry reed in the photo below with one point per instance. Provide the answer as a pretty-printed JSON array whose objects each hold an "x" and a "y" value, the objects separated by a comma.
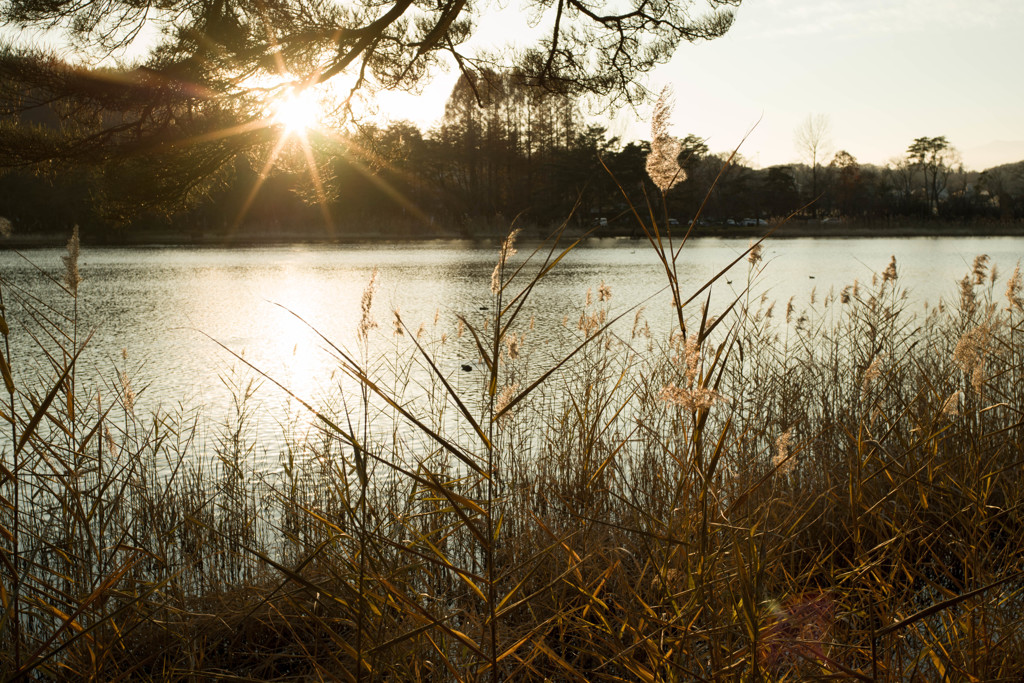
[{"x": 603, "y": 517}]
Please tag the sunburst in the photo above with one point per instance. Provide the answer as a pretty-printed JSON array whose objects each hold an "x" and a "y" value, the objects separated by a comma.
[{"x": 297, "y": 111}]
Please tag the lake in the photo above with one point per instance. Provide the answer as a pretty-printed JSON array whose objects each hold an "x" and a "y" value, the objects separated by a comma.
[{"x": 157, "y": 311}]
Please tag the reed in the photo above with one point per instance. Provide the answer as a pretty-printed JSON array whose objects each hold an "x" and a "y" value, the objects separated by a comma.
[{"x": 831, "y": 493}]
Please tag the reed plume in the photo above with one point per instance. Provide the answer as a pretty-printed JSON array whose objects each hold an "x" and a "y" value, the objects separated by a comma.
[
  {"x": 755, "y": 255},
  {"x": 873, "y": 372},
  {"x": 782, "y": 461},
  {"x": 504, "y": 397},
  {"x": 72, "y": 278},
  {"x": 507, "y": 251},
  {"x": 979, "y": 269},
  {"x": 971, "y": 351},
  {"x": 692, "y": 395},
  {"x": 1013, "y": 290},
  {"x": 951, "y": 406},
  {"x": 889, "y": 274},
  {"x": 512, "y": 345},
  {"x": 663, "y": 161},
  {"x": 366, "y": 321}
]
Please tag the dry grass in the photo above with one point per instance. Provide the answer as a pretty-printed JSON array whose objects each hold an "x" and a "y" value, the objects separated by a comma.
[{"x": 831, "y": 493}]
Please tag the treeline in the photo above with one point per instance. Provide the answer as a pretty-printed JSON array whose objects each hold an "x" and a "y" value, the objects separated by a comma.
[{"x": 505, "y": 149}]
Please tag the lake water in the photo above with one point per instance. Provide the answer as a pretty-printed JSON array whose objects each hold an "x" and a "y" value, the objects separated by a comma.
[{"x": 163, "y": 307}]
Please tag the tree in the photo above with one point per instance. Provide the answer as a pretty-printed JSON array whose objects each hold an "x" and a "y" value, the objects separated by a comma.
[
  {"x": 780, "y": 194},
  {"x": 899, "y": 178},
  {"x": 204, "y": 92},
  {"x": 812, "y": 142},
  {"x": 847, "y": 182},
  {"x": 694, "y": 148},
  {"x": 934, "y": 158},
  {"x": 1004, "y": 185}
]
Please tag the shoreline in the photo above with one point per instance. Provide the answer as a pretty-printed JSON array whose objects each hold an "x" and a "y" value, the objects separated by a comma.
[{"x": 790, "y": 230}]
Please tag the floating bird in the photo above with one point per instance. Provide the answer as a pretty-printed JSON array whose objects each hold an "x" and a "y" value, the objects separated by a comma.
[{"x": 466, "y": 367}]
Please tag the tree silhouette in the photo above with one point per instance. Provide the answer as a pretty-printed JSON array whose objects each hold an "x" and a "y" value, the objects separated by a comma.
[
  {"x": 847, "y": 182},
  {"x": 202, "y": 94},
  {"x": 934, "y": 159}
]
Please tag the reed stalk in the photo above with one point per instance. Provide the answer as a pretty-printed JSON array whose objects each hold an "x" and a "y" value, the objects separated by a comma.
[{"x": 829, "y": 487}]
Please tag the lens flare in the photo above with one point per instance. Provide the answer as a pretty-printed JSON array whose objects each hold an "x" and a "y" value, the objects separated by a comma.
[{"x": 297, "y": 112}]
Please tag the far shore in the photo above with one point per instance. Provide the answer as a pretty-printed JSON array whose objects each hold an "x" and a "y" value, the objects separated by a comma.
[
  {"x": 873, "y": 229},
  {"x": 260, "y": 236}
]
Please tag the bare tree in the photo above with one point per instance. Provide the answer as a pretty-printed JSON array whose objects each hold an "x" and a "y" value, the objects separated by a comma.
[{"x": 813, "y": 142}]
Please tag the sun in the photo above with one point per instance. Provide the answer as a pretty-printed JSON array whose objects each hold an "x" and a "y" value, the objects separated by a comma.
[
  {"x": 292, "y": 112},
  {"x": 297, "y": 111}
]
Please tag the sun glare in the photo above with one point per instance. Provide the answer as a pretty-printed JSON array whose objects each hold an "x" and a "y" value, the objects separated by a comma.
[
  {"x": 297, "y": 112},
  {"x": 294, "y": 113}
]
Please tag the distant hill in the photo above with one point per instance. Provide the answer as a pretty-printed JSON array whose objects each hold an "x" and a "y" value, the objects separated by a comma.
[
  {"x": 997, "y": 153},
  {"x": 1007, "y": 177}
]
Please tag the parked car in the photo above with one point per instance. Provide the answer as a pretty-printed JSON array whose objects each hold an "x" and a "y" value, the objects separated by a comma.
[{"x": 753, "y": 221}]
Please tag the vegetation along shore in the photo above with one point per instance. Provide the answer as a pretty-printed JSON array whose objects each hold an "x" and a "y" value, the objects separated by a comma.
[
  {"x": 768, "y": 492},
  {"x": 824, "y": 488}
]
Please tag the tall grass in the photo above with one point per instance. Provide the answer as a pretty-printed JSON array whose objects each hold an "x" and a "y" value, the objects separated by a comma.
[{"x": 829, "y": 488}]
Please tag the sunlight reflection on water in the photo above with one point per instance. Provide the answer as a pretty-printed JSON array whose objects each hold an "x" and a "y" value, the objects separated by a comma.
[{"x": 165, "y": 306}]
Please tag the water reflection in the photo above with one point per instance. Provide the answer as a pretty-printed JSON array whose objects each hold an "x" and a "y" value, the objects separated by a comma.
[{"x": 164, "y": 305}]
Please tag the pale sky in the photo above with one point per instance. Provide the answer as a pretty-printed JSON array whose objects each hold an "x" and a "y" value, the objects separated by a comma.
[{"x": 883, "y": 71}]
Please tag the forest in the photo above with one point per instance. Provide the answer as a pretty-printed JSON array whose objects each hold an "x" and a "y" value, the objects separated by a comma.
[{"x": 505, "y": 149}]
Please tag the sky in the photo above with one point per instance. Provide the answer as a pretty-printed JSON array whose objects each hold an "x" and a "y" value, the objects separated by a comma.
[{"x": 883, "y": 71}]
